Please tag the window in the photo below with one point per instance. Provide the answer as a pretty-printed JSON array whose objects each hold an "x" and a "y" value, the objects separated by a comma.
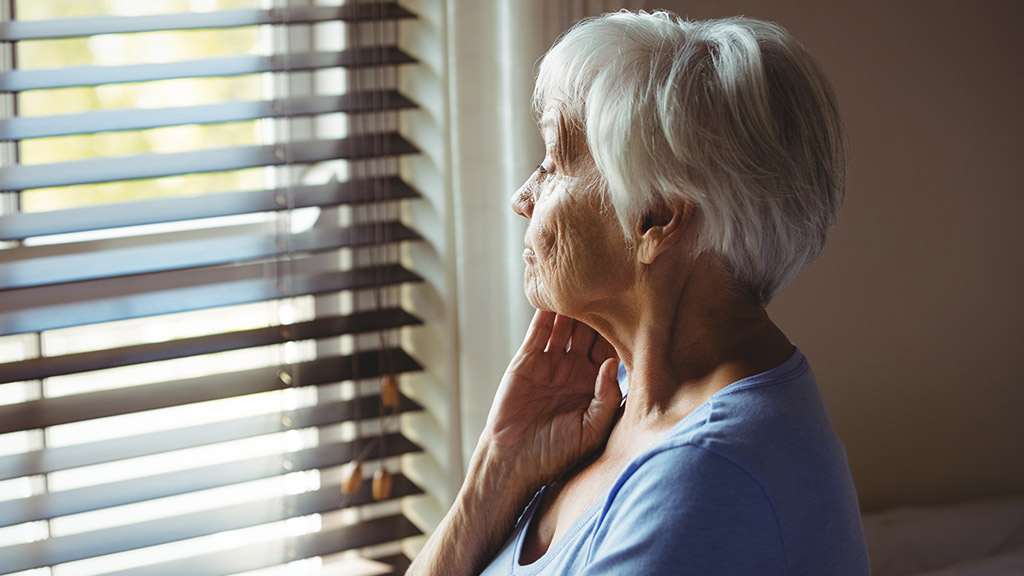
[{"x": 204, "y": 266}]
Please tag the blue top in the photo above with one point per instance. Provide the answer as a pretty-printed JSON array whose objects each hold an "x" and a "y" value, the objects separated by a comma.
[{"x": 754, "y": 481}]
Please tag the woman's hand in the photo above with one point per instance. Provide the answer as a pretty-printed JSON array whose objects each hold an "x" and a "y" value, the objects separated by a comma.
[{"x": 555, "y": 404}]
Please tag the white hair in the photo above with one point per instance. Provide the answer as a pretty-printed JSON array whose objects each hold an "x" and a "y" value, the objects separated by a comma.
[{"x": 732, "y": 116}]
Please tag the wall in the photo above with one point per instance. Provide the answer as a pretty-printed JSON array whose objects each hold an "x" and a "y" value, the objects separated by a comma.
[{"x": 912, "y": 317}]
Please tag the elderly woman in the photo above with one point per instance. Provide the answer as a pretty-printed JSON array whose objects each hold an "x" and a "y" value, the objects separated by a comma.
[{"x": 692, "y": 170}]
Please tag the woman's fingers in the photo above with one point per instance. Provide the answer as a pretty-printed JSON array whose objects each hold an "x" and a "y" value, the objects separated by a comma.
[
  {"x": 602, "y": 350},
  {"x": 540, "y": 330},
  {"x": 601, "y": 413},
  {"x": 553, "y": 332},
  {"x": 583, "y": 338},
  {"x": 560, "y": 333}
]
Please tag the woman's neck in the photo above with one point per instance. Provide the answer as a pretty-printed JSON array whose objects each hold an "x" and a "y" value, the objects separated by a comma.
[{"x": 683, "y": 338}]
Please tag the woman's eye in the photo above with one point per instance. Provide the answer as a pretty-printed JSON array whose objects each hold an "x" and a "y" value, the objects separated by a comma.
[{"x": 542, "y": 169}]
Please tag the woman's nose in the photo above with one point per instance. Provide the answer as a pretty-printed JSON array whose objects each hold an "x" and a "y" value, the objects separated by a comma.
[{"x": 522, "y": 201}]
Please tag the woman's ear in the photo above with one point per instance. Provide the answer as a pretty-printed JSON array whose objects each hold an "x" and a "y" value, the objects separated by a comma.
[{"x": 662, "y": 228}]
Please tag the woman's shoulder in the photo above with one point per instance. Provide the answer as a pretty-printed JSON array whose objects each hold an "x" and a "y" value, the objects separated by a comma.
[
  {"x": 685, "y": 475},
  {"x": 685, "y": 472},
  {"x": 773, "y": 429},
  {"x": 758, "y": 420},
  {"x": 710, "y": 506},
  {"x": 758, "y": 463},
  {"x": 685, "y": 504}
]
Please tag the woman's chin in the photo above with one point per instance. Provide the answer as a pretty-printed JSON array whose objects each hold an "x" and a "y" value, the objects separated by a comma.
[
  {"x": 543, "y": 301},
  {"x": 536, "y": 301},
  {"x": 536, "y": 295}
]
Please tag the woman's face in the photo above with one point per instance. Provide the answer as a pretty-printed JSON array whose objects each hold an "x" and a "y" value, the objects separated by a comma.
[{"x": 576, "y": 254}]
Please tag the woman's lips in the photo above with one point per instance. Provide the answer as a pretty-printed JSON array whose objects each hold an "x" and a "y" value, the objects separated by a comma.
[{"x": 528, "y": 253}]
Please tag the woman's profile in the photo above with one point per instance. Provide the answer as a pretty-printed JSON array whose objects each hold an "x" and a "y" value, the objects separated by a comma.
[{"x": 692, "y": 170}]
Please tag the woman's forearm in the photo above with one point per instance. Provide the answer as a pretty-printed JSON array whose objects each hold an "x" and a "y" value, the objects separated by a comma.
[{"x": 478, "y": 523}]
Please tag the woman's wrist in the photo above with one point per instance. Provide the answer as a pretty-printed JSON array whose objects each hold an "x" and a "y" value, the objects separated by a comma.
[{"x": 498, "y": 478}]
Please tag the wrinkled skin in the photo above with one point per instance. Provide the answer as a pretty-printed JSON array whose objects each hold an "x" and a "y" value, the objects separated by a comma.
[
  {"x": 557, "y": 399},
  {"x": 576, "y": 254}
]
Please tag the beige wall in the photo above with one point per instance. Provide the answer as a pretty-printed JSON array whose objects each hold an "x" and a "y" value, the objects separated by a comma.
[{"x": 912, "y": 318}]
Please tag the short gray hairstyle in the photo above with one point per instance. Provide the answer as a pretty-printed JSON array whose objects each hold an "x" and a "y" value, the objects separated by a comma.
[{"x": 732, "y": 116}]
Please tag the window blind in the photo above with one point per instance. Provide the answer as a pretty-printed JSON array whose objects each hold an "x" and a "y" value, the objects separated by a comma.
[{"x": 187, "y": 371}]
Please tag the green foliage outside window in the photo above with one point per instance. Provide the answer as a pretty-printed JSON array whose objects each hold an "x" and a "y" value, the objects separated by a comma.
[{"x": 127, "y": 49}]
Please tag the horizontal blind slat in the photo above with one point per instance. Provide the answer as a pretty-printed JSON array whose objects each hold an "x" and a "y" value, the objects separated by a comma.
[
  {"x": 355, "y": 323},
  {"x": 22, "y": 225},
  {"x": 24, "y": 128},
  {"x": 187, "y": 526},
  {"x": 185, "y": 254},
  {"x": 51, "y": 460},
  {"x": 304, "y": 272},
  {"x": 107, "y": 300},
  {"x": 81, "y": 76},
  {"x": 17, "y": 30},
  {"x": 124, "y": 492},
  {"x": 36, "y": 414},
  {"x": 144, "y": 166}
]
